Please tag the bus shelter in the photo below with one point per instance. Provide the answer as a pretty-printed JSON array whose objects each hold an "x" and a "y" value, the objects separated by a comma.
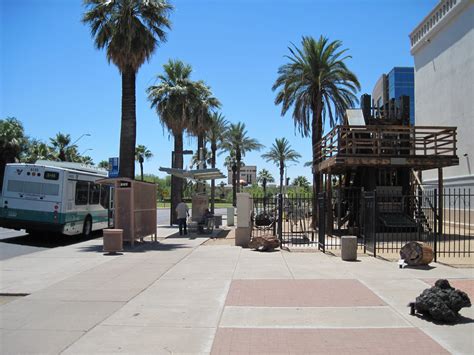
[{"x": 132, "y": 208}]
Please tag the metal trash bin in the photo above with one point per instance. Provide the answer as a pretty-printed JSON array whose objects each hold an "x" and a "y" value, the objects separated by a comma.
[{"x": 113, "y": 240}]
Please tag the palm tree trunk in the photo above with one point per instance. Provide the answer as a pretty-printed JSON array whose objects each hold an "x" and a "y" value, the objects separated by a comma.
[
  {"x": 213, "y": 182},
  {"x": 282, "y": 172},
  {"x": 315, "y": 139},
  {"x": 128, "y": 127},
  {"x": 176, "y": 182},
  {"x": 141, "y": 170},
  {"x": 238, "y": 157}
]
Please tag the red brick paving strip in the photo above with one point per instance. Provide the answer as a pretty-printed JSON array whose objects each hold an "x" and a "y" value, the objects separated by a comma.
[
  {"x": 404, "y": 341},
  {"x": 301, "y": 293}
]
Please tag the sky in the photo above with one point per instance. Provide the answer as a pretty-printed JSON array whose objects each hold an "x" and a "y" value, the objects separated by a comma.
[{"x": 54, "y": 80}]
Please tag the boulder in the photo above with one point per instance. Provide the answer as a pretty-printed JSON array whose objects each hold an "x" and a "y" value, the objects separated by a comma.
[
  {"x": 442, "y": 302},
  {"x": 264, "y": 243}
]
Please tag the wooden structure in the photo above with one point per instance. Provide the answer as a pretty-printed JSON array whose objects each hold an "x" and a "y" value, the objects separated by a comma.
[
  {"x": 379, "y": 151},
  {"x": 133, "y": 208}
]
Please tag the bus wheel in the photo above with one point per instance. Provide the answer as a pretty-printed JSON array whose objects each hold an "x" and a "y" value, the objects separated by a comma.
[{"x": 87, "y": 229}]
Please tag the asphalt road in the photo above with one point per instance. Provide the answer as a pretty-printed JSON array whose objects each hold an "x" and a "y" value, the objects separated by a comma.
[{"x": 14, "y": 243}]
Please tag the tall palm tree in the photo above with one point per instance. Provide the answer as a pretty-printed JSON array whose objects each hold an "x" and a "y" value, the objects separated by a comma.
[
  {"x": 62, "y": 148},
  {"x": 264, "y": 177},
  {"x": 129, "y": 30},
  {"x": 203, "y": 103},
  {"x": 301, "y": 181},
  {"x": 13, "y": 143},
  {"x": 171, "y": 98},
  {"x": 215, "y": 133},
  {"x": 237, "y": 142},
  {"x": 280, "y": 153},
  {"x": 142, "y": 153},
  {"x": 38, "y": 150},
  {"x": 103, "y": 164},
  {"x": 317, "y": 83}
]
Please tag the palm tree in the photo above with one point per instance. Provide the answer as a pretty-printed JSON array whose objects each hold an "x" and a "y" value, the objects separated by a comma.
[
  {"x": 142, "y": 153},
  {"x": 214, "y": 135},
  {"x": 13, "y": 143},
  {"x": 317, "y": 83},
  {"x": 129, "y": 30},
  {"x": 237, "y": 143},
  {"x": 103, "y": 164},
  {"x": 171, "y": 98},
  {"x": 280, "y": 153},
  {"x": 62, "y": 150},
  {"x": 202, "y": 105},
  {"x": 86, "y": 160},
  {"x": 264, "y": 177},
  {"x": 38, "y": 150},
  {"x": 301, "y": 181}
]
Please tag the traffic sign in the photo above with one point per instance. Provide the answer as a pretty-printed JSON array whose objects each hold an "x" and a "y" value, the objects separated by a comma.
[{"x": 113, "y": 167}]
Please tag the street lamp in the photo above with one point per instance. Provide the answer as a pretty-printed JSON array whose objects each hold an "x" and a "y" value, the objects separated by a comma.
[
  {"x": 83, "y": 135},
  {"x": 86, "y": 151}
]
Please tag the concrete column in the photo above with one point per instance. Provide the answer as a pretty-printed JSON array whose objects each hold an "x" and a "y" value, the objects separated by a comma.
[{"x": 244, "y": 210}]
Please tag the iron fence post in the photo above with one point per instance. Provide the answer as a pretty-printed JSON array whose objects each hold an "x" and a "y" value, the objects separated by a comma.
[
  {"x": 280, "y": 216},
  {"x": 374, "y": 224},
  {"x": 435, "y": 217}
]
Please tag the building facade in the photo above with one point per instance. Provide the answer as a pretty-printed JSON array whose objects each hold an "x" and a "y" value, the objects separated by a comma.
[
  {"x": 400, "y": 81},
  {"x": 443, "y": 49},
  {"x": 248, "y": 174}
]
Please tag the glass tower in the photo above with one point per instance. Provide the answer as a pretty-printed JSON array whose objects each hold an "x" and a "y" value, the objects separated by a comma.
[{"x": 401, "y": 81}]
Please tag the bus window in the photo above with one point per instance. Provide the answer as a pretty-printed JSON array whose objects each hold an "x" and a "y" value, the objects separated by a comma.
[
  {"x": 94, "y": 194},
  {"x": 32, "y": 188},
  {"x": 82, "y": 191},
  {"x": 15, "y": 186},
  {"x": 51, "y": 189},
  {"x": 104, "y": 196}
]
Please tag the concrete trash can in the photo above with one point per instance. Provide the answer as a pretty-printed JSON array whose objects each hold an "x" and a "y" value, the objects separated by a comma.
[
  {"x": 230, "y": 216},
  {"x": 349, "y": 248},
  {"x": 113, "y": 240}
]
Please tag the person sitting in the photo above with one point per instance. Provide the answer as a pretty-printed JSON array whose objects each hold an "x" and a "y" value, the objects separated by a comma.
[{"x": 206, "y": 220}]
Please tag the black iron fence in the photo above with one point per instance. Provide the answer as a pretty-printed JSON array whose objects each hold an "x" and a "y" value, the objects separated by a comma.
[
  {"x": 384, "y": 220},
  {"x": 287, "y": 217}
]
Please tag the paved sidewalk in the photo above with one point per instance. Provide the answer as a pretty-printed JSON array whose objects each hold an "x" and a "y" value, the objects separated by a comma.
[{"x": 183, "y": 296}]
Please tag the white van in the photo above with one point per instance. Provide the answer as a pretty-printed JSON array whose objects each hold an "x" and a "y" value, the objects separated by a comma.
[{"x": 54, "y": 196}]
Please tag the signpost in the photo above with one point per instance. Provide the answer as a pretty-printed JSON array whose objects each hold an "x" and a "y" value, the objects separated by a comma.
[{"x": 113, "y": 167}]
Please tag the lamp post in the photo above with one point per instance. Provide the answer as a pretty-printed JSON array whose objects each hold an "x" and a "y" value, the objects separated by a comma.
[
  {"x": 82, "y": 135},
  {"x": 86, "y": 151}
]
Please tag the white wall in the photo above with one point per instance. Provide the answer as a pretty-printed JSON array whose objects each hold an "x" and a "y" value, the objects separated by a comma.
[{"x": 444, "y": 88}]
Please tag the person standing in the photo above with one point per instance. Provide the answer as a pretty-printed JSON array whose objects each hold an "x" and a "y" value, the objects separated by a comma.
[{"x": 183, "y": 212}]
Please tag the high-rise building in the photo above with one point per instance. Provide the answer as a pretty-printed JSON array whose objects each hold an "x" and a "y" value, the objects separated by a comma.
[
  {"x": 248, "y": 173},
  {"x": 400, "y": 81},
  {"x": 442, "y": 46}
]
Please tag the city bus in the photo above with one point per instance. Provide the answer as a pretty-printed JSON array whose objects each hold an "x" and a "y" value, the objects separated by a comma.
[{"x": 51, "y": 196}]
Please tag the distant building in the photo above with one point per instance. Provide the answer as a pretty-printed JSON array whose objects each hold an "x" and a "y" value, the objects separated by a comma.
[
  {"x": 443, "y": 49},
  {"x": 400, "y": 81},
  {"x": 248, "y": 173}
]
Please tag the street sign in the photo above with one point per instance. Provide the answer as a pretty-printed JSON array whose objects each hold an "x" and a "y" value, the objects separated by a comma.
[{"x": 113, "y": 167}]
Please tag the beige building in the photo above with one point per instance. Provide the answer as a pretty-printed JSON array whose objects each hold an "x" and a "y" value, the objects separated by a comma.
[
  {"x": 443, "y": 49},
  {"x": 248, "y": 173}
]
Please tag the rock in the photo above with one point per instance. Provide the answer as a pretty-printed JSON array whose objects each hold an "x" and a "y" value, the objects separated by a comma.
[
  {"x": 442, "y": 302},
  {"x": 264, "y": 243}
]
